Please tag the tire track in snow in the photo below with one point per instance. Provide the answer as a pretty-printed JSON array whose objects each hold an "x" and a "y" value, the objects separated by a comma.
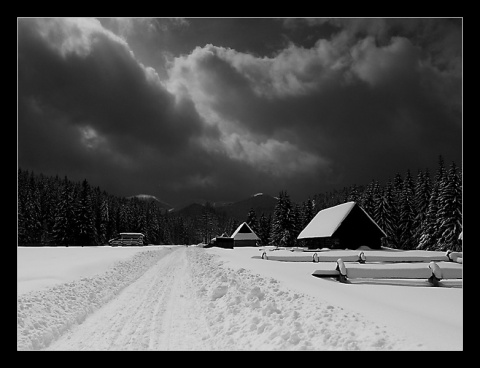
[
  {"x": 183, "y": 324},
  {"x": 45, "y": 315},
  {"x": 153, "y": 313}
]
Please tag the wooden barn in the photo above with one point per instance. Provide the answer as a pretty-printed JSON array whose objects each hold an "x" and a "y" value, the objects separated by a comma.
[
  {"x": 346, "y": 226},
  {"x": 244, "y": 236}
]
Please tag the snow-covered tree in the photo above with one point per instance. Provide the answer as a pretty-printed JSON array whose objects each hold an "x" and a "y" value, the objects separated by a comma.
[
  {"x": 428, "y": 229},
  {"x": 423, "y": 189},
  {"x": 283, "y": 225},
  {"x": 385, "y": 214},
  {"x": 407, "y": 214},
  {"x": 104, "y": 218},
  {"x": 353, "y": 194},
  {"x": 64, "y": 227},
  {"x": 252, "y": 220},
  {"x": 449, "y": 219},
  {"x": 32, "y": 212},
  {"x": 85, "y": 230},
  {"x": 367, "y": 199},
  {"x": 307, "y": 213},
  {"x": 264, "y": 228}
]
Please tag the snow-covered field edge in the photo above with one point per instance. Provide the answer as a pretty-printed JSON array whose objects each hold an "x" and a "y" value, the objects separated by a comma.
[{"x": 44, "y": 315}]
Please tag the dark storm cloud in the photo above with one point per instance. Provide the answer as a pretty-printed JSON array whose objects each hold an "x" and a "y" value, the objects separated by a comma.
[
  {"x": 89, "y": 109},
  {"x": 223, "y": 108},
  {"x": 366, "y": 103},
  {"x": 87, "y": 105},
  {"x": 107, "y": 90}
]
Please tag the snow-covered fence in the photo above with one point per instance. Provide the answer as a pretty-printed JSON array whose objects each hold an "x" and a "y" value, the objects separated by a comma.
[{"x": 433, "y": 272}]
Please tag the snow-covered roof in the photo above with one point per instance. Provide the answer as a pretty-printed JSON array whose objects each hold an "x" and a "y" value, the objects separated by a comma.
[
  {"x": 244, "y": 232},
  {"x": 132, "y": 234},
  {"x": 326, "y": 221}
]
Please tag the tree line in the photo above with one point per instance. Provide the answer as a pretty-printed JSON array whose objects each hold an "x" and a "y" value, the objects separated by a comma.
[
  {"x": 415, "y": 213},
  {"x": 54, "y": 211}
]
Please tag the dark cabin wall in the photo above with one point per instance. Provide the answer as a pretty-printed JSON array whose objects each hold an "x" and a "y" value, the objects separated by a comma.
[
  {"x": 224, "y": 242},
  {"x": 319, "y": 243},
  {"x": 245, "y": 243},
  {"x": 357, "y": 229}
]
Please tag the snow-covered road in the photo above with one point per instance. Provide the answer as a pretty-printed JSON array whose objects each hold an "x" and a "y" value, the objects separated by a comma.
[
  {"x": 189, "y": 300},
  {"x": 159, "y": 311}
]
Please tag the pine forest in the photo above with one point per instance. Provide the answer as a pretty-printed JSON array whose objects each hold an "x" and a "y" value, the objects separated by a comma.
[{"x": 416, "y": 212}]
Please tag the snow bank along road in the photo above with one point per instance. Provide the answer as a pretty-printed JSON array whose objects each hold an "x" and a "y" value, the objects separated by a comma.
[{"x": 187, "y": 299}]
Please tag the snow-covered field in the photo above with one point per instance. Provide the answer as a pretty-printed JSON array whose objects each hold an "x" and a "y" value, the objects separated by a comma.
[
  {"x": 179, "y": 298},
  {"x": 38, "y": 267}
]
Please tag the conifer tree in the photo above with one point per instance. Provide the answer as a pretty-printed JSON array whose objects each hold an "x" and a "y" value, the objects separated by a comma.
[
  {"x": 367, "y": 199},
  {"x": 231, "y": 226},
  {"x": 64, "y": 227},
  {"x": 21, "y": 201},
  {"x": 209, "y": 223},
  {"x": 428, "y": 233},
  {"x": 84, "y": 217},
  {"x": 141, "y": 218},
  {"x": 397, "y": 188},
  {"x": 163, "y": 231},
  {"x": 297, "y": 221},
  {"x": 157, "y": 228},
  {"x": 449, "y": 219},
  {"x": 423, "y": 188},
  {"x": 32, "y": 212},
  {"x": 353, "y": 194},
  {"x": 407, "y": 214},
  {"x": 103, "y": 219},
  {"x": 308, "y": 212},
  {"x": 384, "y": 214},
  {"x": 252, "y": 220},
  {"x": 264, "y": 226},
  {"x": 180, "y": 232},
  {"x": 48, "y": 201},
  {"x": 36, "y": 208},
  {"x": 395, "y": 210},
  {"x": 123, "y": 218},
  {"x": 151, "y": 228},
  {"x": 112, "y": 231},
  {"x": 440, "y": 177},
  {"x": 441, "y": 170},
  {"x": 283, "y": 227}
]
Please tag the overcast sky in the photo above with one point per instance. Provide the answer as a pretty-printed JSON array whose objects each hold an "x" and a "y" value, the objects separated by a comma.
[{"x": 224, "y": 108}]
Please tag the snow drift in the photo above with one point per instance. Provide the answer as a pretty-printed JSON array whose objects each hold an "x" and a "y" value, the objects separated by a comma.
[{"x": 248, "y": 311}]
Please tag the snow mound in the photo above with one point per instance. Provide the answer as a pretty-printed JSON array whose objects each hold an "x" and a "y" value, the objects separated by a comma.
[
  {"x": 44, "y": 315},
  {"x": 247, "y": 311}
]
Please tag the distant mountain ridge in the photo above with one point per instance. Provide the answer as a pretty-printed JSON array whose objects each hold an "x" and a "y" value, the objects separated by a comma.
[
  {"x": 260, "y": 202},
  {"x": 201, "y": 202},
  {"x": 152, "y": 198}
]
